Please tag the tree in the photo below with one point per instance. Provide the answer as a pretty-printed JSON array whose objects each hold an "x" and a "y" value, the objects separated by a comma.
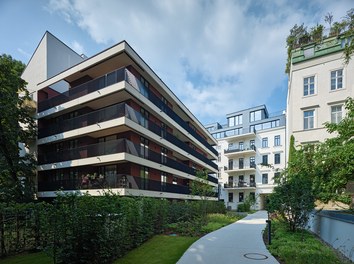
[
  {"x": 202, "y": 189},
  {"x": 16, "y": 125},
  {"x": 294, "y": 198},
  {"x": 334, "y": 159},
  {"x": 348, "y": 21}
]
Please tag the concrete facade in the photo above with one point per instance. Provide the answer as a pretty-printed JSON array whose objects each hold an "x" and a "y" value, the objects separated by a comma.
[{"x": 108, "y": 122}]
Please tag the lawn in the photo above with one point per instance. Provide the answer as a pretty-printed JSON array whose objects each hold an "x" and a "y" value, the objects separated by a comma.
[
  {"x": 160, "y": 249},
  {"x": 300, "y": 247}
]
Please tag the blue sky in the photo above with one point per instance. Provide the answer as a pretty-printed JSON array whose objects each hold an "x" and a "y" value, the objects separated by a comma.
[{"x": 217, "y": 56}]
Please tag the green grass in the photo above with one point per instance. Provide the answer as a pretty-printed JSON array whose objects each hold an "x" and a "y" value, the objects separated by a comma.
[
  {"x": 160, "y": 249},
  {"x": 28, "y": 258},
  {"x": 216, "y": 221},
  {"x": 300, "y": 247}
]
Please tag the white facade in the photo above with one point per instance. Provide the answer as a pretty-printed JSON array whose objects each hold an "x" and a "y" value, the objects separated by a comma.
[
  {"x": 237, "y": 182},
  {"x": 247, "y": 160},
  {"x": 318, "y": 87}
]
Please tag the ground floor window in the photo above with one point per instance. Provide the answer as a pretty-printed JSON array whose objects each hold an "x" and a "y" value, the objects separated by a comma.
[
  {"x": 240, "y": 197},
  {"x": 231, "y": 197}
]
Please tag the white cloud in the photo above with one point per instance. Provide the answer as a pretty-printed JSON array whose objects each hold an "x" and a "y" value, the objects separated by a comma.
[{"x": 216, "y": 56}]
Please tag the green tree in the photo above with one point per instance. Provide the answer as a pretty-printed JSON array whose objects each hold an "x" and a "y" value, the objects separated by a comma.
[
  {"x": 202, "y": 189},
  {"x": 334, "y": 159},
  {"x": 294, "y": 198},
  {"x": 16, "y": 125},
  {"x": 348, "y": 22}
]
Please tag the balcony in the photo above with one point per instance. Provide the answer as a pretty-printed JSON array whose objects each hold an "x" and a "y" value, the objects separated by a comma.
[
  {"x": 242, "y": 168},
  {"x": 116, "y": 111},
  {"x": 240, "y": 185},
  {"x": 112, "y": 182},
  {"x": 231, "y": 152},
  {"x": 116, "y": 76}
]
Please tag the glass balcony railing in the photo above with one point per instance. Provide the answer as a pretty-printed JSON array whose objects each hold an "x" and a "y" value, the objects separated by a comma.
[
  {"x": 116, "y": 76},
  {"x": 239, "y": 184},
  {"x": 117, "y": 111},
  {"x": 113, "y": 147},
  {"x": 111, "y": 182}
]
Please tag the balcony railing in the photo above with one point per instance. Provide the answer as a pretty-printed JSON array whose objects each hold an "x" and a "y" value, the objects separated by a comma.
[
  {"x": 235, "y": 150},
  {"x": 239, "y": 184},
  {"x": 116, "y": 76},
  {"x": 117, "y": 111},
  {"x": 242, "y": 167},
  {"x": 111, "y": 182}
]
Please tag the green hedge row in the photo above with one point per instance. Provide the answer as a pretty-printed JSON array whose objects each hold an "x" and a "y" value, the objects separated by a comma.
[{"x": 85, "y": 229}]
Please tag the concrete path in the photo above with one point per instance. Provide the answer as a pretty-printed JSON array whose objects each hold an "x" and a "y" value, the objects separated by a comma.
[{"x": 240, "y": 242}]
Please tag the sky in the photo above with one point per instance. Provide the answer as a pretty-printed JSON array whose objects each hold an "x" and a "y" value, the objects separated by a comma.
[{"x": 218, "y": 56}]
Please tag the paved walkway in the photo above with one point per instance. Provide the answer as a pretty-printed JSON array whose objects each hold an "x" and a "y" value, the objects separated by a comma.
[{"x": 232, "y": 244}]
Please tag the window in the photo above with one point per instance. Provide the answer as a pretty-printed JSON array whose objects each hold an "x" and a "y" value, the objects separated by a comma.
[
  {"x": 276, "y": 175},
  {"x": 174, "y": 180},
  {"x": 231, "y": 121},
  {"x": 252, "y": 142},
  {"x": 336, "y": 79},
  {"x": 163, "y": 180},
  {"x": 309, "y": 119},
  {"x": 240, "y": 197},
  {"x": 309, "y": 85},
  {"x": 255, "y": 115},
  {"x": 235, "y": 120},
  {"x": 265, "y": 178},
  {"x": 336, "y": 114},
  {"x": 144, "y": 147},
  {"x": 231, "y": 164},
  {"x": 265, "y": 142},
  {"x": 253, "y": 196},
  {"x": 144, "y": 118},
  {"x": 144, "y": 175},
  {"x": 240, "y": 163},
  {"x": 240, "y": 145},
  {"x": 252, "y": 162},
  {"x": 265, "y": 159},
  {"x": 163, "y": 155},
  {"x": 277, "y": 158},
  {"x": 277, "y": 140},
  {"x": 231, "y": 197}
]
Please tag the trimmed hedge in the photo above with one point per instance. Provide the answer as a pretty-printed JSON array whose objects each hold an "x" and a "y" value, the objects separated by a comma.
[{"x": 85, "y": 229}]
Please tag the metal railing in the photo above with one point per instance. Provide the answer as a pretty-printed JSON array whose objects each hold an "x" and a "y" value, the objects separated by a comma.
[
  {"x": 122, "y": 74},
  {"x": 117, "y": 111},
  {"x": 239, "y": 184}
]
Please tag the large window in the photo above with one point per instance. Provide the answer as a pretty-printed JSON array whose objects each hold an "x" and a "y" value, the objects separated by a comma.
[
  {"x": 309, "y": 85},
  {"x": 336, "y": 114},
  {"x": 309, "y": 119},
  {"x": 265, "y": 178},
  {"x": 277, "y": 140},
  {"x": 277, "y": 158},
  {"x": 235, "y": 120},
  {"x": 255, "y": 115},
  {"x": 336, "y": 79},
  {"x": 265, "y": 159},
  {"x": 240, "y": 145},
  {"x": 265, "y": 142}
]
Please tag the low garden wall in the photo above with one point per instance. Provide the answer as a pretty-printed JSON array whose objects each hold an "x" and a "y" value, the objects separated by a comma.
[{"x": 336, "y": 228}]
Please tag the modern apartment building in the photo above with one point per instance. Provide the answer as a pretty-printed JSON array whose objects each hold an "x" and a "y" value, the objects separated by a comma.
[
  {"x": 319, "y": 83},
  {"x": 251, "y": 149},
  {"x": 109, "y": 122}
]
